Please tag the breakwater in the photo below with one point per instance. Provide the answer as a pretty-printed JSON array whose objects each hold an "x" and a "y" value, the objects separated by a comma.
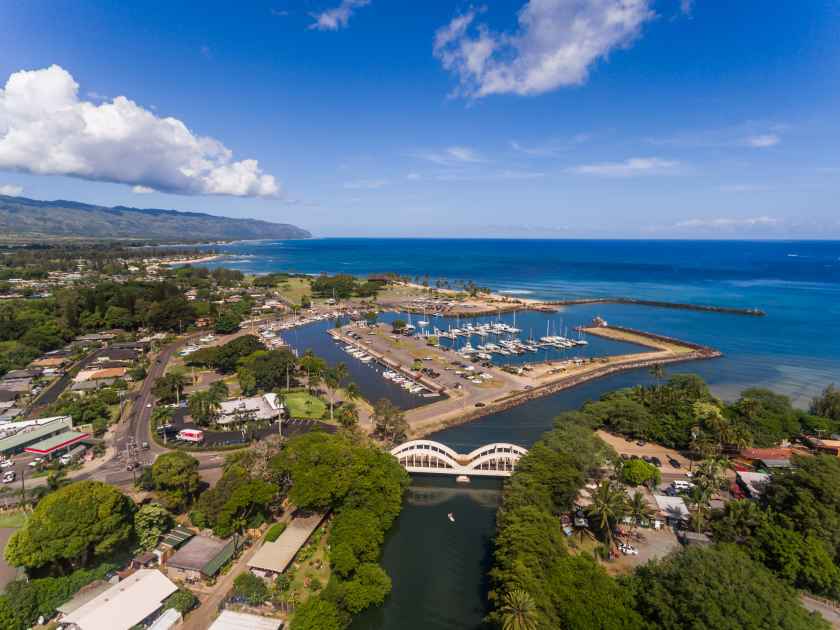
[{"x": 729, "y": 310}]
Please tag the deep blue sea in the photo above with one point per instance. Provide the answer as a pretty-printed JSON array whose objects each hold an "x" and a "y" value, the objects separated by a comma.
[{"x": 795, "y": 349}]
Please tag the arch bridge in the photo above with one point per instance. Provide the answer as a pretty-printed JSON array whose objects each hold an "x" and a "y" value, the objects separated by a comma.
[{"x": 427, "y": 456}]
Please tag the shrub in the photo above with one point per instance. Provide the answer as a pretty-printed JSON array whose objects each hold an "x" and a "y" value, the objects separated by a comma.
[{"x": 274, "y": 532}]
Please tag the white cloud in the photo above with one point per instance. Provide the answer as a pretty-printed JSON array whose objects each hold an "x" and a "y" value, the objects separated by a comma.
[
  {"x": 413, "y": 176},
  {"x": 551, "y": 148},
  {"x": 337, "y": 17},
  {"x": 742, "y": 188},
  {"x": 727, "y": 223},
  {"x": 365, "y": 184},
  {"x": 11, "y": 190},
  {"x": 451, "y": 155},
  {"x": 555, "y": 44},
  {"x": 764, "y": 140},
  {"x": 47, "y": 130},
  {"x": 142, "y": 190},
  {"x": 630, "y": 168}
]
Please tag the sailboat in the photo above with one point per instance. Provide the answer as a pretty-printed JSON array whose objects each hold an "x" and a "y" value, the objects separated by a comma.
[
  {"x": 423, "y": 323},
  {"x": 451, "y": 517}
]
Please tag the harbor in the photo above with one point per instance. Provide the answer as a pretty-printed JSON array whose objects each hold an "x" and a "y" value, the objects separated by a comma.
[{"x": 480, "y": 368}]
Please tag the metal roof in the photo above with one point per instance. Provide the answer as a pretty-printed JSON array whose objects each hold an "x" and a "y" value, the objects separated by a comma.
[
  {"x": 62, "y": 440},
  {"x": 231, "y": 620}
]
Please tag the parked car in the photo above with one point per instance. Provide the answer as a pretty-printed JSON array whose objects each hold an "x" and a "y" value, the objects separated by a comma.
[
  {"x": 9, "y": 476},
  {"x": 6, "y": 463},
  {"x": 480, "y": 404},
  {"x": 674, "y": 462},
  {"x": 628, "y": 550}
]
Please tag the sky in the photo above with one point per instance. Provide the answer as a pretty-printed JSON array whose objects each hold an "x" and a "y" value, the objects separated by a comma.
[{"x": 537, "y": 118}]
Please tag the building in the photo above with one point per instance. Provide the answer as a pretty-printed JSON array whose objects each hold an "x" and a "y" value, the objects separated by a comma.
[
  {"x": 17, "y": 439},
  {"x": 98, "y": 373},
  {"x": 49, "y": 362},
  {"x": 752, "y": 483},
  {"x": 671, "y": 511},
  {"x": 768, "y": 458},
  {"x": 135, "y": 600},
  {"x": 201, "y": 558},
  {"x": 265, "y": 407},
  {"x": 829, "y": 447},
  {"x": 230, "y": 620},
  {"x": 274, "y": 557}
]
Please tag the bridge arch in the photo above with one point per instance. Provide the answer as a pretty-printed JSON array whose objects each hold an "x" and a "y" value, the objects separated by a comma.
[{"x": 427, "y": 456}]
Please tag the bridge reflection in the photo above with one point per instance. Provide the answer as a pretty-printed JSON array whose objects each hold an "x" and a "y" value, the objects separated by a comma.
[{"x": 429, "y": 496}]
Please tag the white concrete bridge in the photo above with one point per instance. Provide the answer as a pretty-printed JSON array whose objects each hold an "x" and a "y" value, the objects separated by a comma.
[{"x": 426, "y": 456}]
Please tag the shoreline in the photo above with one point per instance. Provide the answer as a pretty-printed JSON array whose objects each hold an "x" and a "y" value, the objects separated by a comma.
[{"x": 191, "y": 261}]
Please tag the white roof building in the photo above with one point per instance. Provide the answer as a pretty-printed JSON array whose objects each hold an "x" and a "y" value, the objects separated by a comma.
[
  {"x": 265, "y": 407},
  {"x": 125, "y": 604},
  {"x": 753, "y": 482},
  {"x": 230, "y": 620},
  {"x": 672, "y": 507}
]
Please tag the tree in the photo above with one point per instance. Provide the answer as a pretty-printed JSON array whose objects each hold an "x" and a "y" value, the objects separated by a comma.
[
  {"x": 250, "y": 587},
  {"x": 369, "y": 587},
  {"x": 151, "y": 521},
  {"x": 348, "y": 415},
  {"x": 181, "y": 600},
  {"x": 609, "y": 505},
  {"x": 639, "y": 509},
  {"x": 175, "y": 474},
  {"x": 827, "y": 404},
  {"x": 73, "y": 526},
  {"x": 518, "y": 611},
  {"x": 333, "y": 377},
  {"x": 169, "y": 387},
  {"x": 204, "y": 407},
  {"x": 389, "y": 421},
  {"x": 317, "y": 613},
  {"x": 717, "y": 587},
  {"x": 398, "y": 325},
  {"x": 271, "y": 368},
  {"x": 806, "y": 498},
  {"x": 636, "y": 472},
  {"x": 227, "y": 322}
]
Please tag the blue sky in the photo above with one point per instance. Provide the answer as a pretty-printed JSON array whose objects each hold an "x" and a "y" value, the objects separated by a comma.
[{"x": 351, "y": 117}]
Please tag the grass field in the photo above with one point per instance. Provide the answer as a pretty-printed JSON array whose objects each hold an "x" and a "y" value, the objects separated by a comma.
[
  {"x": 304, "y": 405},
  {"x": 294, "y": 289},
  {"x": 13, "y": 519}
]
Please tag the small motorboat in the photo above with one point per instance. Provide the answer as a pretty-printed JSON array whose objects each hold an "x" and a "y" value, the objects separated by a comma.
[{"x": 451, "y": 517}]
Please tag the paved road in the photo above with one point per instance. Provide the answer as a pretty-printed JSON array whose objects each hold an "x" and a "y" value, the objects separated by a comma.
[{"x": 830, "y": 613}]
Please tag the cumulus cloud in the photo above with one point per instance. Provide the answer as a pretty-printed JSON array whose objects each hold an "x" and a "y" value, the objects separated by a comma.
[
  {"x": 365, "y": 184},
  {"x": 555, "y": 45},
  {"x": 629, "y": 168},
  {"x": 337, "y": 17},
  {"x": 451, "y": 155},
  {"x": 764, "y": 140},
  {"x": 10, "y": 190},
  {"x": 47, "y": 130},
  {"x": 142, "y": 190}
]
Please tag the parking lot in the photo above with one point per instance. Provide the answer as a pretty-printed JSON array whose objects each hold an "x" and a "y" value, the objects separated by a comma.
[{"x": 673, "y": 464}]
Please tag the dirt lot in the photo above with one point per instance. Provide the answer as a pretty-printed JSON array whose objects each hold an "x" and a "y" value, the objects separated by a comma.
[
  {"x": 627, "y": 447},
  {"x": 654, "y": 544}
]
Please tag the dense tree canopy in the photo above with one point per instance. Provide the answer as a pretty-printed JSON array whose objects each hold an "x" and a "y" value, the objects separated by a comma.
[
  {"x": 717, "y": 588},
  {"x": 175, "y": 474},
  {"x": 73, "y": 526}
]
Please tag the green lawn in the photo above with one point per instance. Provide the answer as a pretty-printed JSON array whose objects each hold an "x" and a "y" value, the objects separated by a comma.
[
  {"x": 13, "y": 519},
  {"x": 304, "y": 405}
]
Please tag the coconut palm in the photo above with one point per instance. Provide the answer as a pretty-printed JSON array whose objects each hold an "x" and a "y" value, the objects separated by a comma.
[
  {"x": 518, "y": 611},
  {"x": 352, "y": 391},
  {"x": 609, "y": 505},
  {"x": 348, "y": 415},
  {"x": 639, "y": 509}
]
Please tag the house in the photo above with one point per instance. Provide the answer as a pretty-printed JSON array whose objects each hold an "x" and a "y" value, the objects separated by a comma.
[
  {"x": 231, "y": 620},
  {"x": 135, "y": 600},
  {"x": 95, "y": 374},
  {"x": 49, "y": 362},
  {"x": 265, "y": 407},
  {"x": 829, "y": 447},
  {"x": 200, "y": 558},
  {"x": 274, "y": 557},
  {"x": 671, "y": 511},
  {"x": 752, "y": 483},
  {"x": 767, "y": 458}
]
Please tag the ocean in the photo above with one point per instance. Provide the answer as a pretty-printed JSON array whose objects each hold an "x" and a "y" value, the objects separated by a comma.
[{"x": 794, "y": 350}]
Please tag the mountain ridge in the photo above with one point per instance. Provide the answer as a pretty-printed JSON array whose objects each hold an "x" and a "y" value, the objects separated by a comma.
[{"x": 22, "y": 216}]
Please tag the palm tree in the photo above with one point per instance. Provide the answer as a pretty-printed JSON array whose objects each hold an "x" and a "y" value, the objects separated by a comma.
[
  {"x": 348, "y": 415},
  {"x": 639, "y": 508},
  {"x": 609, "y": 505},
  {"x": 352, "y": 391},
  {"x": 333, "y": 378},
  {"x": 518, "y": 611}
]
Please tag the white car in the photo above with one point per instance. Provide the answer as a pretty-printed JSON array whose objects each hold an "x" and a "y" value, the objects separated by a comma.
[
  {"x": 6, "y": 463},
  {"x": 9, "y": 476},
  {"x": 628, "y": 550}
]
